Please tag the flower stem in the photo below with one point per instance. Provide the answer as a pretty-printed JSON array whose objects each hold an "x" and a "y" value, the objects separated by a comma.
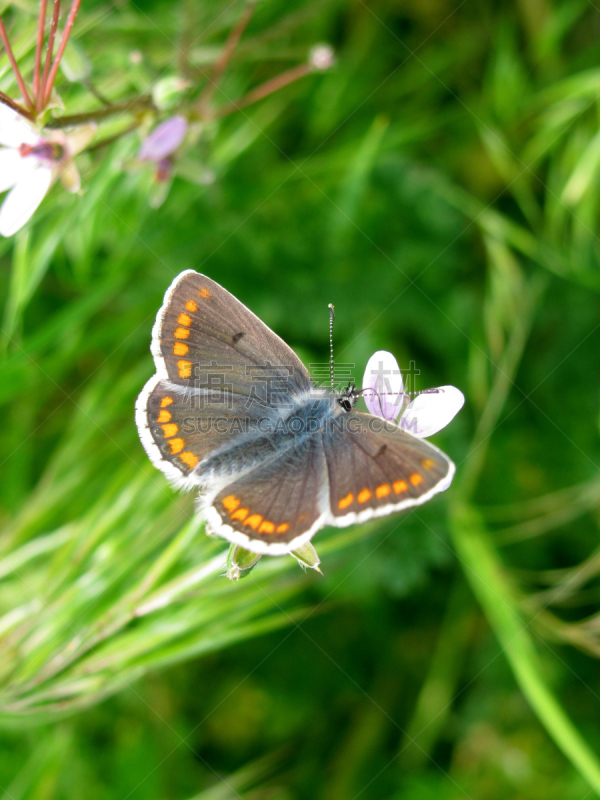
[
  {"x": 61, "y": 49},
  {"x": 13, "y": 63},
  {"x": 38, "y": 48},
  {"x": 49, "y": 51},
  {"x": 15, "y": 106},
  {"x": 135, "y": 104},
  {"x": 110, "y": 139},
  {"x": 264, "y": 90},
  {"x": 224, "y": 58}
]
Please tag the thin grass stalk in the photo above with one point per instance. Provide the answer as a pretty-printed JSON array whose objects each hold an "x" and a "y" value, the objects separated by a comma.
[
  {"x": 224, "y": 58},
  {"x": 504, "y": 378},
  {"x": 49, "y": 53},
  {"x": 264, "y": 90},
  {"x": 13, "y": 63},
  {"x": 61, "y": 49},
  {"x": 38, "y": 51}
]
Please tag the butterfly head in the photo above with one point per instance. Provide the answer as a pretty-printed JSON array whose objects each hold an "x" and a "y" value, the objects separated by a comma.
[{"x": 348, "y": 398}]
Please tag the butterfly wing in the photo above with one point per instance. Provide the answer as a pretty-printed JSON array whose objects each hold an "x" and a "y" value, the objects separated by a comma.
[
  {"x": 374, "y": 468},
  {"x": 219, "y": 370},
  {"x": 276, "y": 507},
  {"x": 179, "y": 427},
  {"x": 204, "y": 336}
]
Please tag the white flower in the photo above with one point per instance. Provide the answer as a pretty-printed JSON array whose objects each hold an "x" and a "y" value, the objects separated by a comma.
[
  {"x": 29, "y": 163},
  {"x": 428, "y": 413}
]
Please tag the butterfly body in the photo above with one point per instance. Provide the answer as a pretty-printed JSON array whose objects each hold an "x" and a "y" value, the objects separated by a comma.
[
  {"x": 233, "y": 412},
  {"x": 273, "y": 435}
]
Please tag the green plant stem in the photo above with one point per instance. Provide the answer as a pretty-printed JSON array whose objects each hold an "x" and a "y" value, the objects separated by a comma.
[
  {"x": 499, "y": 601},
  {"x": 140, "y": 103},
  {"x": 16, "y": 107},
  {"x": 497, "y": 397}
]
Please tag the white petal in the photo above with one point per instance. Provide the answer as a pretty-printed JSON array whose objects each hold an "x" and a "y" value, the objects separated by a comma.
[
  {"x": 431, "y": 411},
  {"x": 23, "y": 199},
  {"x": 14, "y": 129},
  {"x": 382, "y": 382},
  {"x": 14, "y": 168}
]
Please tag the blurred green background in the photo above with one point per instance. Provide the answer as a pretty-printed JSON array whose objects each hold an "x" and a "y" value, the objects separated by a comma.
[{"x": 440, "y": 186}]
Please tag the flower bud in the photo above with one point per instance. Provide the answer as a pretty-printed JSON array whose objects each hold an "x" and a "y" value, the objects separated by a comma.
[
  {"x": 240, "y": 562},
  {"x": 321, "y": 57},
  {"x": 307, "y": 557},
  {"x": 164, "y": 139},
  {"x": 167, "y": 92}
]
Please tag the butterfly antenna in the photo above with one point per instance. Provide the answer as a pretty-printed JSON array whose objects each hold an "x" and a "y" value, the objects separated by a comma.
[{"x": 331, "y": 318}]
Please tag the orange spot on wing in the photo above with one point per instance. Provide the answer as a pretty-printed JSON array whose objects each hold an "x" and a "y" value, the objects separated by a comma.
[
  {"x": 266, "y": 527},
  {"x": 204, "y": 293},
  {"x": 382, "y": 491},
  {"x": 180, "y": 349},
  {"x": 363, "y": 496},
  {"x": 166, "y": 401},
  {"x": 428, "y": 463},
  {"x": 230, "y": 503},
  {"x": 176, "y": 445},
  {"x": 184, "y": 319},
  {"x": 240, "y": 514},
  {"x": 191, "y": 305},
  {"x": 283, "y": 527},
  {"x": 346, "y": 501},
  {"x": 416, "y": 479},
  {"x": 170, "y": 429},
  {"x": 164, "y": 416},
  {"x": 185, "y": 368},
  {"x": 189, "y": 459},
  {"x": 253, "y": 521},
  {"x": 400, "y": 486},
  {"x": 181, "y": 333}
]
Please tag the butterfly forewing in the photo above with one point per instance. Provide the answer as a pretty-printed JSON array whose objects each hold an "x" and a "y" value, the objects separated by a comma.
[
  {"x": 206, "y": 338},
  {"x": 375, "y": 468}
]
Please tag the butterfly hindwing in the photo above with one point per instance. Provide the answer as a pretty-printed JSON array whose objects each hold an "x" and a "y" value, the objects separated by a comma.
[
  {"x": 375, "y": 468},
  {"x": 275, "y": 507},
  {"x": 179, "y": 426},
  {"x": 205, "y": 337}
]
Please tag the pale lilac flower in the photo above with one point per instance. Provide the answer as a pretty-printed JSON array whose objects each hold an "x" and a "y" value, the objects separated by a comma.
[
  {"x": 428, "y": 413},
  {"x": 383, "y": 388},
  {"x": 159, "y": 146},
  {"x": 29, "y": 163}
]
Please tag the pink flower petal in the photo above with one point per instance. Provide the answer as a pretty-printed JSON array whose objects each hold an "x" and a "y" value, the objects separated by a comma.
[
  {"x": 21, "y": 202},
  {"x": 383, "y": 388},
  {"x": 431, "y": 411},
  {"x": 164, "y": 139}
]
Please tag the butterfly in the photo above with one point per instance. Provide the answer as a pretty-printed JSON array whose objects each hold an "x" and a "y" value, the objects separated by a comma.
[{"x": 233, "y": 411}]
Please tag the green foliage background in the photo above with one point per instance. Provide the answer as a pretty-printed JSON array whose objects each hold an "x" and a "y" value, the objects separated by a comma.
[{"x": 439, "y": 185}]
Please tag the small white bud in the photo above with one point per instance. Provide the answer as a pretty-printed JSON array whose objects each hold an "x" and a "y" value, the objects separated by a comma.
[{"x": 321, "y": 56}]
